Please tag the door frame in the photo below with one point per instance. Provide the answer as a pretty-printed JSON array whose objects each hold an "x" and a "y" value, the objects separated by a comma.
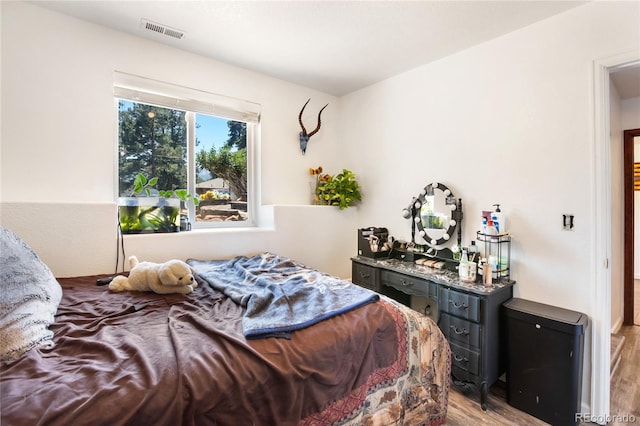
[
  {"x": 629, "y": 230},
  {"x": 601, "y": 237}
]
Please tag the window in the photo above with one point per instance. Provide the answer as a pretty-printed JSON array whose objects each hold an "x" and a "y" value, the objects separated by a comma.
[{"x": 188, "y": 140}]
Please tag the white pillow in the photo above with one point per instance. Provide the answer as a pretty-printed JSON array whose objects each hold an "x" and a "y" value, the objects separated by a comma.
[{"x": 29, "y": 298}]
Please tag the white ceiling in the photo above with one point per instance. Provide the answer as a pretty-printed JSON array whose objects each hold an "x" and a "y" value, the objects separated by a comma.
[{"x": 333, "y": 46}]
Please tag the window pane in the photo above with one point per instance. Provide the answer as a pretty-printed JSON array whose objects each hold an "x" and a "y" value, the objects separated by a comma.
[
  {"x": 152, "y": 141},
  {"x": 221, "y": 162},
  {"x": 157, "y": 141}
]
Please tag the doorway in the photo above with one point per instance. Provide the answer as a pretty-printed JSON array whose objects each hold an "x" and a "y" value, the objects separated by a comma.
[
  {"x": 601, "y": 296},
  {"x": 631, "y": 290}
]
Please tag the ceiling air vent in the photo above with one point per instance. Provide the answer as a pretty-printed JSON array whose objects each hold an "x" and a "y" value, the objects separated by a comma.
[{"x": 162, "y": 29}]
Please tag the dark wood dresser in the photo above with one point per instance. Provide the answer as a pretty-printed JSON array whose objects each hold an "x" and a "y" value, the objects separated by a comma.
[{"x": 468, "y": 314}]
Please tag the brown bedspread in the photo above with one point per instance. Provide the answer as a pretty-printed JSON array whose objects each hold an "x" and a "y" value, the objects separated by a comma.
[{"x": 149, "y": 359}]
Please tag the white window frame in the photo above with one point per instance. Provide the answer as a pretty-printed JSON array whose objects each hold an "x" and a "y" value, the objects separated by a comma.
[{"x": 158, "y": 93}]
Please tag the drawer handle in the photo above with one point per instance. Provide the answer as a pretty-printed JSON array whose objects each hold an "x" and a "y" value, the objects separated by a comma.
[
  {"x": 364, "y": 275},
  {"x": 465, "y": 385},
  {"x": 460, "y": 358},
  {"x": 457, "y": 305},
  {"x": 459, "y": 330},
  {"x": 406, "y": 283}
]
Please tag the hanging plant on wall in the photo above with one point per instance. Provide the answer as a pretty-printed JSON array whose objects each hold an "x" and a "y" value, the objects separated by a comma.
[{"x": 341, "y": 190}]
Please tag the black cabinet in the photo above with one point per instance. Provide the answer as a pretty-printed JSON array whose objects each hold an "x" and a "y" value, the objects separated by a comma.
[
  {"x": 468, "y": 315},
  {"x": 545, "y": 348}
]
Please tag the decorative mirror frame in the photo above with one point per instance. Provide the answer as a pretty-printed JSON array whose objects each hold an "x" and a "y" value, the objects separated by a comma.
[{"x": 456, "y": 215}]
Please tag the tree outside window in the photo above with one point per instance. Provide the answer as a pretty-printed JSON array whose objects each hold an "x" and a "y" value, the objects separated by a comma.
[{"x": 155, "y": 141}]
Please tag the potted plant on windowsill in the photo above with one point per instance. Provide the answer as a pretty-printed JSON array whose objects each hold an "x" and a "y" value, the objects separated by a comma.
[{"x": 149, "y": 210}]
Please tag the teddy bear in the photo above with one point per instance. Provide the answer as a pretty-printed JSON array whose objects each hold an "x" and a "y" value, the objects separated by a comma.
[{"x": 173, "y": 276}]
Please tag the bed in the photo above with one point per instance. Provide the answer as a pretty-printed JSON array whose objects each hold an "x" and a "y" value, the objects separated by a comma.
[{"x": 149, "y": 359}]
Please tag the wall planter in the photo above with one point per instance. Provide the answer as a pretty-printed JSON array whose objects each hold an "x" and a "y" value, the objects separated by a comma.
[
  {"x": 341, "y": 190},
  {"x": 144, "y": 215}
]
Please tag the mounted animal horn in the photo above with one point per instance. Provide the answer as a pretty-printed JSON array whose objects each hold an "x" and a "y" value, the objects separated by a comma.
[{"x": 304, "y": 136}]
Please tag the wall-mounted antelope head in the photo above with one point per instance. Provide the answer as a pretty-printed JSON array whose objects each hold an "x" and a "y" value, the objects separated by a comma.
[{"x": 304, "y": 136}]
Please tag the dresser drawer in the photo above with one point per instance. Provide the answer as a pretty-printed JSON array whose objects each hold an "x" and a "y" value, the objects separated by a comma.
[
  {"x": 465, "y": 359},
  {"x": 460, "y": 304},
  {"x": 465, "y": 379},
  {"x": 408, "y": 284},
  {"x": 460, "y": 331},
  {"x": 364, "y": 276}
]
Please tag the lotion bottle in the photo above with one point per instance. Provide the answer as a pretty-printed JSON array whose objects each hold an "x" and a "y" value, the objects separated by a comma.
[
  {"x": 499, "y": 221},
  {"x": 491, "y": 229}
]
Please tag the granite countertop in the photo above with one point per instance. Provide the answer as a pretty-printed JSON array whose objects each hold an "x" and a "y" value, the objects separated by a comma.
[{"x": 439, "y": 276}]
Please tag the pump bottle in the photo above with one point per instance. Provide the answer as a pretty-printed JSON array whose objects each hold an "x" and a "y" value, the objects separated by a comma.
[{"x": 499, "y": 221}]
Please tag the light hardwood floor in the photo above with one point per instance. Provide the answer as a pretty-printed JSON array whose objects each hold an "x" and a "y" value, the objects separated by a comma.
[
  {"x": 625, "y": 383},
  {"x": 465, "y": 410},
  {"x": 636, "y": 302},
  {"x": 625, "y": 395}
]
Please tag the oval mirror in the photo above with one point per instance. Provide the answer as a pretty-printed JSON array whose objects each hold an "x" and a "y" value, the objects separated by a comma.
[{"x": 437, "y": 214}]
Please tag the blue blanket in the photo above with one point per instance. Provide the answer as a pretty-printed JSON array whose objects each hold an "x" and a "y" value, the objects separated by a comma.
[{"x": 279, "y": 294}]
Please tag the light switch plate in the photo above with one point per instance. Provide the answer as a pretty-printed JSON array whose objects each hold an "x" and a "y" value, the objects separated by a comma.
[{"x": 568, "y": 222}]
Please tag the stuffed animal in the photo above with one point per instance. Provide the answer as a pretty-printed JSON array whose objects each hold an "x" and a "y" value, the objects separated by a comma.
[{"x": 173, "y": 276}]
